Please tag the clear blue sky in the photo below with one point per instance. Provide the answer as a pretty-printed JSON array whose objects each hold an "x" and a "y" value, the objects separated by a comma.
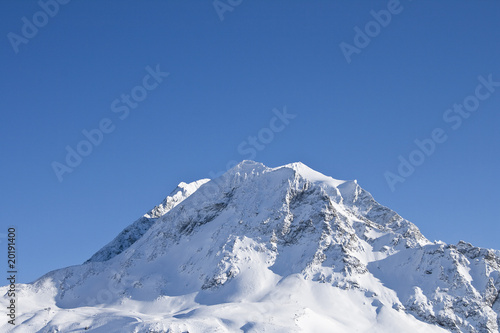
[{"x": 353, "y": 120}]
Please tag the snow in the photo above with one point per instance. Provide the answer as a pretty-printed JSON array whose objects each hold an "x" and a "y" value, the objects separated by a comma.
[
  {"x": 263, "y": 249},
  {"x": 292, "y": 305},
  {"x": 312, "y": 175}
]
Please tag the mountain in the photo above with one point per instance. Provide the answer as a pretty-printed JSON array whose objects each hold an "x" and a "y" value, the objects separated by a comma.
[{"x": 262, "y": 249}]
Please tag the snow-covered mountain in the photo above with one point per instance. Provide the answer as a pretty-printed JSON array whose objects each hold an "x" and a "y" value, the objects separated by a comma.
[{"x": 264, "y": 249}]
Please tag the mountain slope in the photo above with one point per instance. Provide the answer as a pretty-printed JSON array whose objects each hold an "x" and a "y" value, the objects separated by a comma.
[
  {"x": 135, "y": 231},
  {"x": 259, "y": 249}
]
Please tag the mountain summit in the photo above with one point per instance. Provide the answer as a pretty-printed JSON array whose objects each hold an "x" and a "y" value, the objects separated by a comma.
[{"x": 262, "y": 249}]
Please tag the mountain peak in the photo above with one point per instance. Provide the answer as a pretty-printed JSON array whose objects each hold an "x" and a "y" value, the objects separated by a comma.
[
  {"x": 311, "y": 174},
  {"x": 247, "y": 167}
]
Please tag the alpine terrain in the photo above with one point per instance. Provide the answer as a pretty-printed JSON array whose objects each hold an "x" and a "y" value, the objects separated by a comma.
[{"x": 262, "y": 249}]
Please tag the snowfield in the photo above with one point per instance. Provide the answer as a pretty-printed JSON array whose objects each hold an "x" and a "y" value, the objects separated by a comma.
[{"x": 263, "y": 249}]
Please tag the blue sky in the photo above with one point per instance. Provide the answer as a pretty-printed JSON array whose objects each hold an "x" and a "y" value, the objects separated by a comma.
[{"x": 228, "y": 69}]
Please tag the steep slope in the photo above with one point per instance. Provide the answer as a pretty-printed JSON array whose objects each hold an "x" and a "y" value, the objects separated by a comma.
[
  {"x": 135, "y": 231},
  {"x": 282, "y": 249}
]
